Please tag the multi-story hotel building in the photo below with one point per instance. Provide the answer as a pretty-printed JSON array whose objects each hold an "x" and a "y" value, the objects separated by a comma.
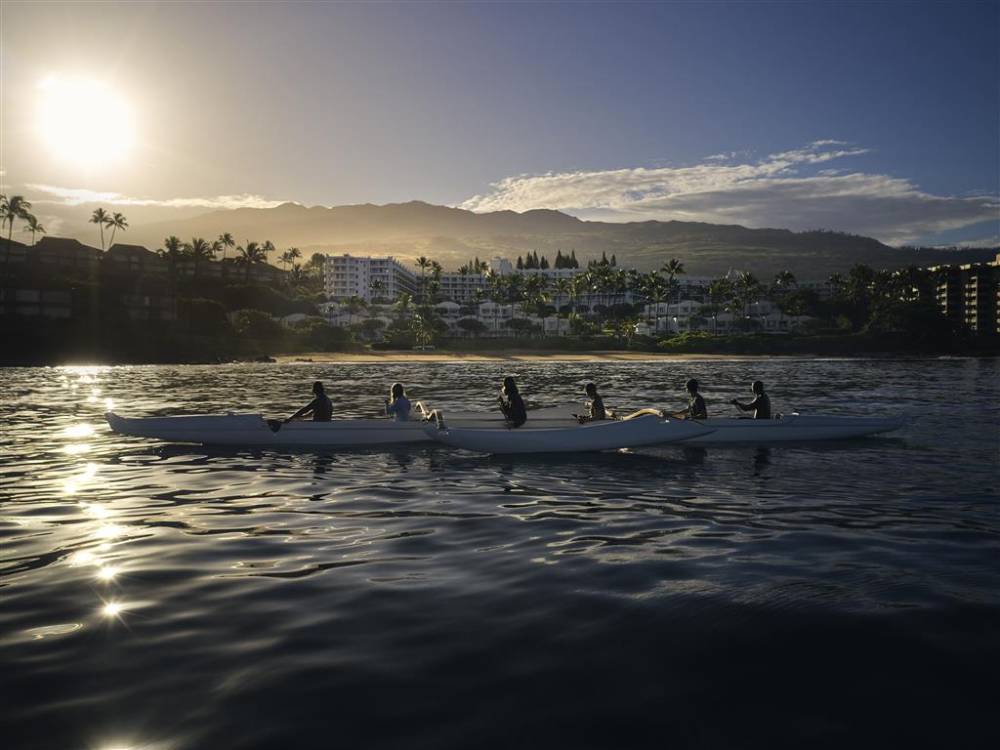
[
  {"x": 462, "y": 287},
  {"x": 365, "y": 277},
  {"x": 969, "y": 294}
]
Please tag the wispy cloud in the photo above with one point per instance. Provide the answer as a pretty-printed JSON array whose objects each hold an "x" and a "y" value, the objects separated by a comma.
[
  {"x": 993, "y": 241},
  {"x": 79, "y": 196},
  {"x": 781, "y": 190}
]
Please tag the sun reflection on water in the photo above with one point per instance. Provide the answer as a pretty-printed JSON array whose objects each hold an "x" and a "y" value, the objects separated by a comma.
[
  {"x": 109, "y": 531},
  {"x": 96, "y": 510},
  {"x": 81, "y": 430},
  {"x": 83, "y": 557},
  {"x": 72, "y": 485}
]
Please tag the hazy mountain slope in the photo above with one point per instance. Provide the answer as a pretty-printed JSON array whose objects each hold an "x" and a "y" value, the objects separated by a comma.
[{"x": 453, "y": 236}]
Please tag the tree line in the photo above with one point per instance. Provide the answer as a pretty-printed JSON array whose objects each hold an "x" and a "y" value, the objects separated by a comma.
[{"x": 17, "y": 208}]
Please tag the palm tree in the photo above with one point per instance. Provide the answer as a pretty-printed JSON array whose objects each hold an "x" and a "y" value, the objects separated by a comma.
[
  {"x": 656, "y": 291},
  {"x": 536, "y": 295},
  {"x": 377, "y": 286},
  {"x": 403, "y": 303},
  {"x": 33, "y": 227},
  {"x": 784, "y": 279},
  {"x": 747, "y": 292},
  {"x": 249, "y": 256},
  {"x": 116, "y": 222},
  {"x": 11, "y": 209},
  {"x": 102, "y": 219},
  {"x": 216, "y": 247},
  {"x": 496, "y": 293},
  {"x": 198, "y": 250},
  {"x": 562, "y": 288},
  {"x": 423, "y": 264},
  {"x": 783, "y": 282},
  {"x": 288, "y": 257},
  {"x": 268, "y": 248},
  {"x": 354, "y": 305},
  {"x": 226, "y": 241},
  {"x": 672, "y": 269},
  {"x": 720, "y": 293},
  {"x": 580, "y": 284},
  {"x": 171, "y": 252}
]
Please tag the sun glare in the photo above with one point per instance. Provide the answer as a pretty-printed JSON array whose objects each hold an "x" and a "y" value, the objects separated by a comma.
[{"x": 84, "y": 121}]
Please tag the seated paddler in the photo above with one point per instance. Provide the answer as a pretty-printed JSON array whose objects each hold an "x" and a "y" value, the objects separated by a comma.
[{"x": 320, "y": 407}]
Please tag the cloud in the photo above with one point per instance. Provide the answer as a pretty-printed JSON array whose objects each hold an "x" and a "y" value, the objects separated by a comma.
[
  {"x": 782, "y": 190},
  {"x": 79, "y": 196},
  {"x": 993, "y": 241}
]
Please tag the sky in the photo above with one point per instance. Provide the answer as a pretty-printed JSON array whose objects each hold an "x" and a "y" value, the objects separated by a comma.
[{"x": 879, "y": 118}]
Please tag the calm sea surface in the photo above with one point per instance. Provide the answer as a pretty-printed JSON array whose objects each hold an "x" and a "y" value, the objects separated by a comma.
[{"x": 177, "y": 597}]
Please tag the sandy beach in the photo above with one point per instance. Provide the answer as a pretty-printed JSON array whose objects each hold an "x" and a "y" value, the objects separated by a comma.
[{"x": 506, "y": 356}]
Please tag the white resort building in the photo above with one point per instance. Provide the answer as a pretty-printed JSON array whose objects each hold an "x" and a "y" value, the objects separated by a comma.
[
  {"x": 380, "y": 280},
  {"x": 366, "y": 277}
]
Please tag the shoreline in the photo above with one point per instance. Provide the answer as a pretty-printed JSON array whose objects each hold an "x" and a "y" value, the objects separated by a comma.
[{"x": 527, "y": 356}]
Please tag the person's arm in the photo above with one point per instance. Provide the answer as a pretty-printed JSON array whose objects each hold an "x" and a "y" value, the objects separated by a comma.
[
  {"x": 303, "y": 411},
  {"x": 752, "y": 406}
]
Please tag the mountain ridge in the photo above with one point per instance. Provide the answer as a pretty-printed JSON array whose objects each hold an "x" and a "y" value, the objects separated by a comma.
[{"x": 454, "y": 236}]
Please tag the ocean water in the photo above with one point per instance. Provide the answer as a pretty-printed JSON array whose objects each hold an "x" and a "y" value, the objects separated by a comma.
[{"x": 158, "y": 596}]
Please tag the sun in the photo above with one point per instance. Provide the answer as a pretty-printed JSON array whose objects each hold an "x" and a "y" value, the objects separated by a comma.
[{"x": 84, "y": 121}]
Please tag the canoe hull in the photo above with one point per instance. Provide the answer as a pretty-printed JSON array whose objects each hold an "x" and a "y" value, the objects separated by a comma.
[
  {"x": 792, "y": 428},
  {"x": 253, "y": 430},
  {"x": 595, "y": 436}
]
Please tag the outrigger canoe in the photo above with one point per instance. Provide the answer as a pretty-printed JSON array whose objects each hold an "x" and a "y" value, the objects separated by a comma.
[
  {"x": 538, "y": 437},
  {"x": 255, "y": 430},
  {"x": 792, "y": 428}
]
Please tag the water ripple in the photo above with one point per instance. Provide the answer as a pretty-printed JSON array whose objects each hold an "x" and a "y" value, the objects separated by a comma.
[{"x": 177, "y": 596}]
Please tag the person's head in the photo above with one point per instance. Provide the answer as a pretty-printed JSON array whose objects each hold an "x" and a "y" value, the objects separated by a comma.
[
  {"x": 757, "y": 387},
  {"x": 397, "y": 391},
  {"x": 318, "y": 388},
  {"x": 509, "y": 386},
  {"x": 692, "y": 386},
  {"x": 591, "y": 390}
]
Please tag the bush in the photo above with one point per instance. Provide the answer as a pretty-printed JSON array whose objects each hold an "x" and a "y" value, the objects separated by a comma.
[
  {"x": 369, "y": 328},
  {"x": 266, "y": 299},
  {"x": 204, "y": 316},
  {"x": 471, "y": 325},
  {"x": 317, "y": 335},
  {"x": 582, "y": 327},
  {"x": 255, "y": 324},
  {"x": 522, "y": 325},
  {"x": 922, "y": 321}
]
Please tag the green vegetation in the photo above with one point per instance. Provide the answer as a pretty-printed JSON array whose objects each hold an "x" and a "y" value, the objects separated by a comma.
[
  {"x": 183, "y": 306},
  {"x": 187, "y": 305}
]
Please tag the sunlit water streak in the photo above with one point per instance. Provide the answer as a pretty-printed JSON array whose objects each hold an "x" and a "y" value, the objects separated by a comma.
[{"x": 175, "y": 596}]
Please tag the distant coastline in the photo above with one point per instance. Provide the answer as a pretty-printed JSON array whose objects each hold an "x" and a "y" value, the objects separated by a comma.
[{"x": 693, "y": 348}]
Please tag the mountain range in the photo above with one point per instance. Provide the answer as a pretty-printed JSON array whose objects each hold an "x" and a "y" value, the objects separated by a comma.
[{"x": 453, "y": 236}]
